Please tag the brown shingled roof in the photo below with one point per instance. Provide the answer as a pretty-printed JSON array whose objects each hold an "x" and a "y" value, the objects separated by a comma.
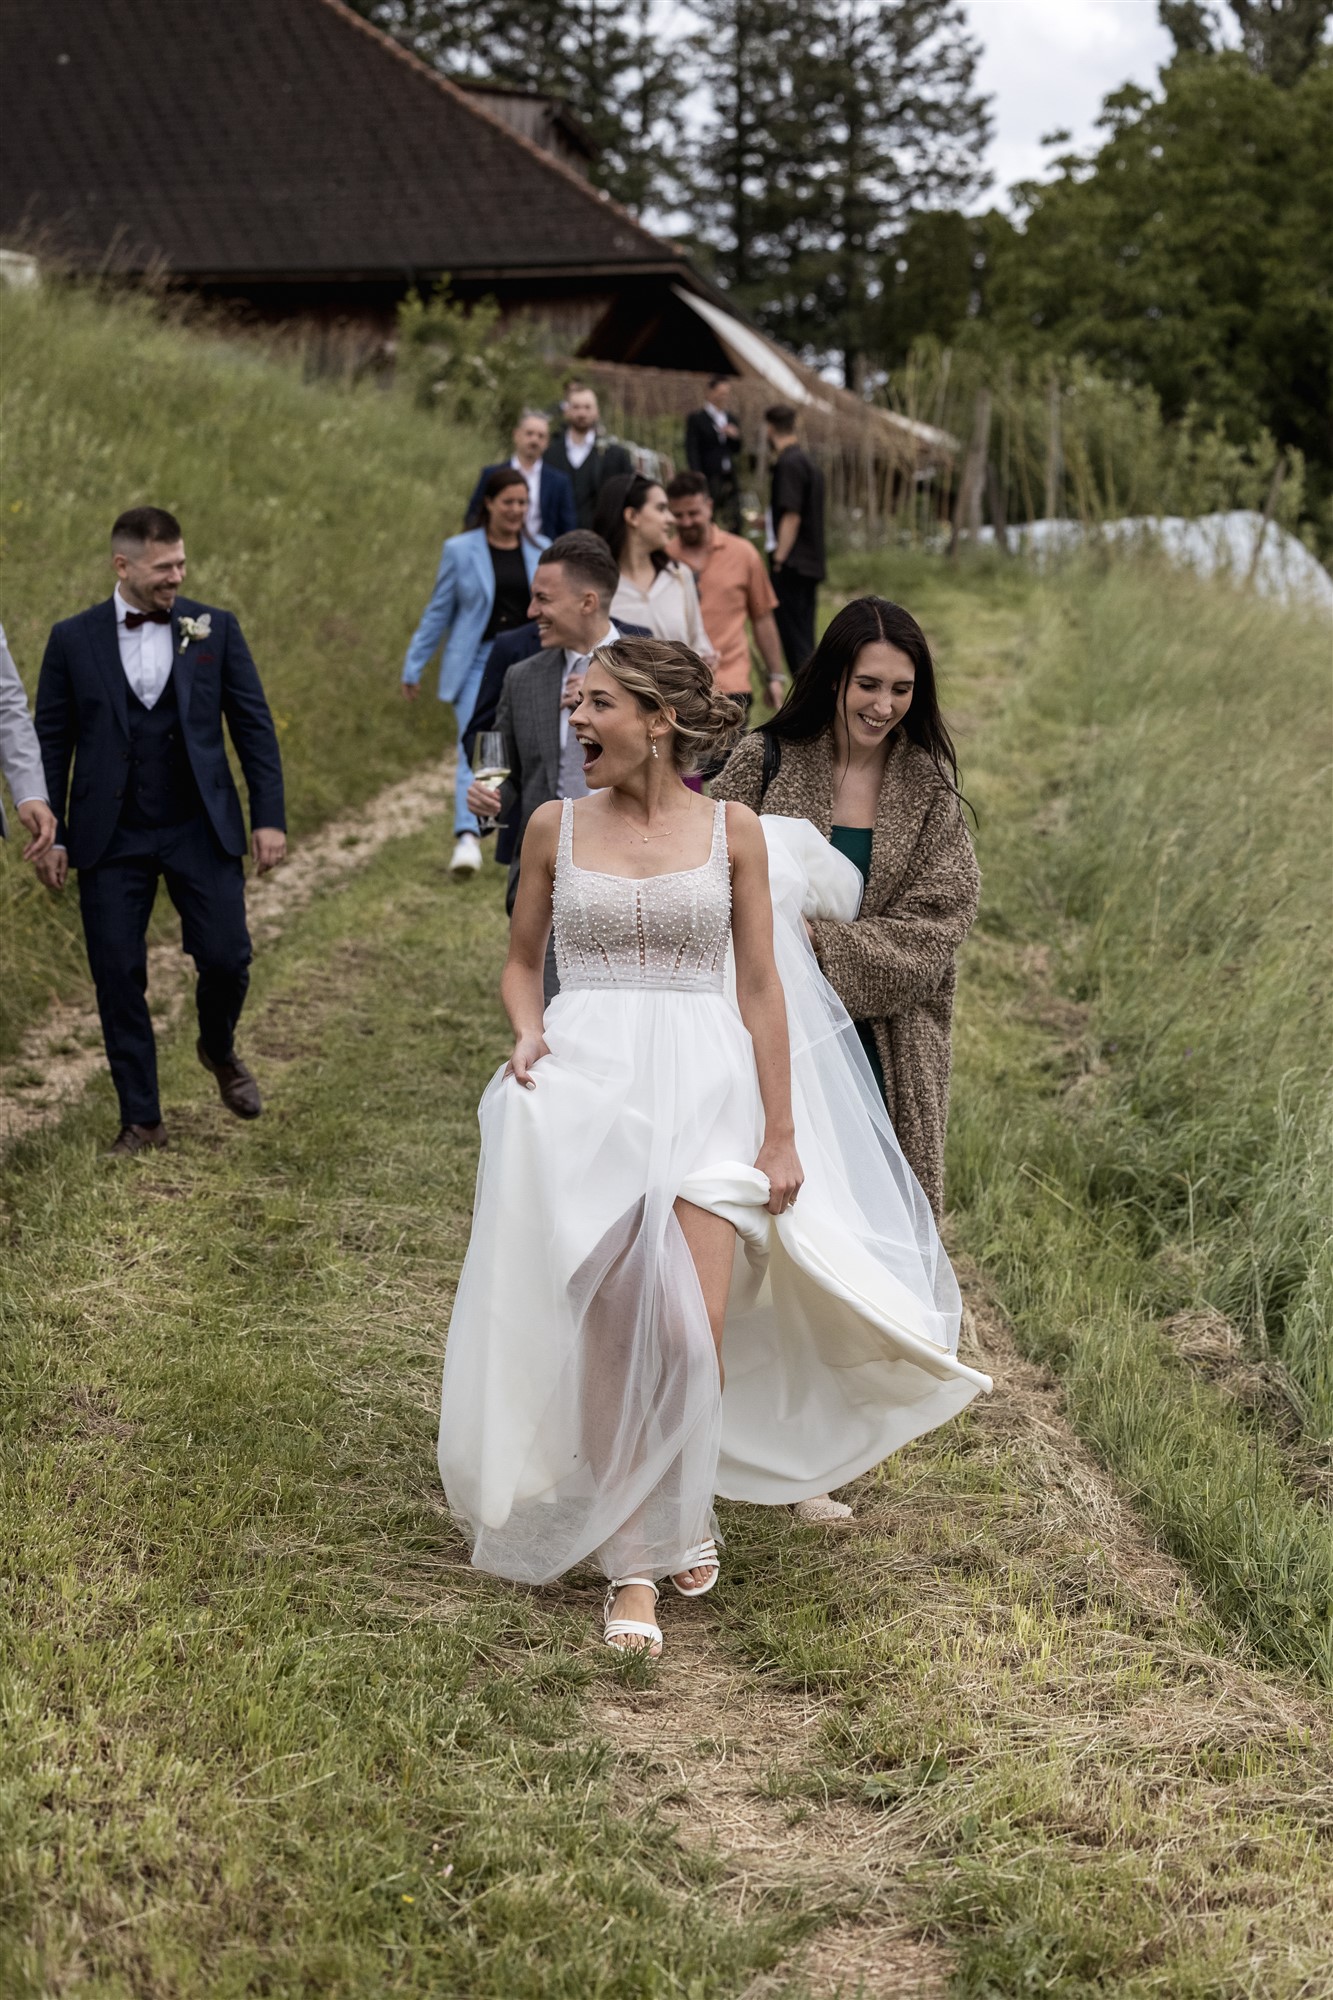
[{"x": 247, "y": 139}]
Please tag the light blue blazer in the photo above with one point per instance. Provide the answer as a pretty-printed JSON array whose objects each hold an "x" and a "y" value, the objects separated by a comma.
[{"x": 460, "y": 605}]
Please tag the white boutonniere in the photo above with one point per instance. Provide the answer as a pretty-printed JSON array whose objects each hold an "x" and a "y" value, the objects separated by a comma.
[{"x": 195, "y": 628}]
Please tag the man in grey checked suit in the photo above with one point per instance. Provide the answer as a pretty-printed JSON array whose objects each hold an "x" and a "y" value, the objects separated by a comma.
[
  {"x": 21, "y": 761},
  {"x": 576, "y": 579}
]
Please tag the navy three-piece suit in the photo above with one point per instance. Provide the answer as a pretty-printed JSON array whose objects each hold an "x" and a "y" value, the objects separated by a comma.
[{"x": 152, "y": 796}]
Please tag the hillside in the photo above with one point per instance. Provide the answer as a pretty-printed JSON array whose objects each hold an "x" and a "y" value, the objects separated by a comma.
[{"x": 313, "y": 511}]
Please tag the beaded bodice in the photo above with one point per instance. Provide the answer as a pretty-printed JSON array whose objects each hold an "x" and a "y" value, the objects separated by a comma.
[{"x": 660, "y": 930}]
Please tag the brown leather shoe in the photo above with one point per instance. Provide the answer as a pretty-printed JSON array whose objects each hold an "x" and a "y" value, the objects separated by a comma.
[
  {"x": 236, "y": 1086},
  {"x": 139, "y": 1139}
]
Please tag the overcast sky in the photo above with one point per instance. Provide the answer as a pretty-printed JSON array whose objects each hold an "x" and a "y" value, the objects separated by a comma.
[{"x": 1047, "y": 65}]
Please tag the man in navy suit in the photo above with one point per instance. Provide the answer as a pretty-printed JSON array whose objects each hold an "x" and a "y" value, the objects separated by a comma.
[
  {"x": 133, "y": 694},
  {"x": 551, "y": 509}
]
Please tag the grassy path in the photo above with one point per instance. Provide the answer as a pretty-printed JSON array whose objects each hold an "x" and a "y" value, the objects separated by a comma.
[
  {"x": 60, "y": 1053},
  {"x": 264, "y": 1732}
]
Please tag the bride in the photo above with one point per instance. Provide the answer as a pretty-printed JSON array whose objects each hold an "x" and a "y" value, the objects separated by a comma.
[{"x": 640, "y": 1187}]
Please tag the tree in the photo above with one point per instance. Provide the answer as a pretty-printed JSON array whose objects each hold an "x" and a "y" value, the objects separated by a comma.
[
  {"x": 747, "y": 56},
  {"x": 830, "y": 121},
  {"x": 1280, "y": 39},
  {"x": 1191, "y": 253},
  {"x": 934, "y": 278}
]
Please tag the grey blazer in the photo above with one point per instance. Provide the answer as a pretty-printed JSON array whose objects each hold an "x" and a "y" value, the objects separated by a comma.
[
  {"x": 20, "y": 752},
  {"x": 529, "y": 720}
]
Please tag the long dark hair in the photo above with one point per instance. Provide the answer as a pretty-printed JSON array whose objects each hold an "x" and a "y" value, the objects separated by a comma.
[
  {"x": 819, "y": 690},
  {"x": 627, "y": 489},
  {"x": 496, "y": 482}
]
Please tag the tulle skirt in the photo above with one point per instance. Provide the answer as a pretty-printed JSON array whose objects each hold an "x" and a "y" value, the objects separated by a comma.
[
  {"x": 581, "y": 1412},
  {"x": 581, "y": 1401}
]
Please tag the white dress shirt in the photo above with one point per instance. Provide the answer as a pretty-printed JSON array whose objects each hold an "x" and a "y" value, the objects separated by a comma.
[
  {"x": 720, "y": 419},
  {"x": 573, "y": 784},
  {"x": 578, "y": 448},
  {"x": 145, "y": 654},
  {"x": 533, "y": 475}
]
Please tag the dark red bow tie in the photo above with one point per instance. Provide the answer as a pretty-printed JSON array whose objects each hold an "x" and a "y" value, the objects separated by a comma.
[{"x": 134, "y": 619}]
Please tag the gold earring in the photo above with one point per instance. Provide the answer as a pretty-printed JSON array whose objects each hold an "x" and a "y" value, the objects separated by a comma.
[{"x": 653, "y": 741}]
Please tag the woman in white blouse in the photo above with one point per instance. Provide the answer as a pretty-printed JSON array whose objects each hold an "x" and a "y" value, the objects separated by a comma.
[{"x": 635, "y": 522}]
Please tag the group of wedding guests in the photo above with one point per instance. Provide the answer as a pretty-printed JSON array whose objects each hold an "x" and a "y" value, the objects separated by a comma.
[
  {"x": 680, "y": 574},
  {"x": 647, "y": 1155}
]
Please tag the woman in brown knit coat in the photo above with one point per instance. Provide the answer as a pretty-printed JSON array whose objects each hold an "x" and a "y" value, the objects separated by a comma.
[{"x": 862, "y": 752}]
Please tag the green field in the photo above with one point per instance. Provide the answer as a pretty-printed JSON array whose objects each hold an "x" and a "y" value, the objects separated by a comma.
[
  {"x": 1054, "y": 1719},
  {"x": 312, "y": 511}
]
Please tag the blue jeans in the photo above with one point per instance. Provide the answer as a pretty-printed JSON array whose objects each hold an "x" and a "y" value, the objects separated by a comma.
[{"x": 463, "y": 705}]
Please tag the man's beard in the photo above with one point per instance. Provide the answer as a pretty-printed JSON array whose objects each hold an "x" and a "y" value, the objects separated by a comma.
[{"x": 692, "y": 537}]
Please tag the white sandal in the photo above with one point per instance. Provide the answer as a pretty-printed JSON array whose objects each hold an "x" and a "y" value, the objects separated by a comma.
[
  {"x": 704, "y": 1556},
  {"x": 630, "y": 1628}
]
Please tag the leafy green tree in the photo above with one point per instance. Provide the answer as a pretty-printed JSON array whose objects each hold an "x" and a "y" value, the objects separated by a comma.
[
  {"x": 1192, "y": 252},
  {"x": 1280, "y": 39},
  {"x": 934, "y": 279},
  {"x": 467, "y": 364}
]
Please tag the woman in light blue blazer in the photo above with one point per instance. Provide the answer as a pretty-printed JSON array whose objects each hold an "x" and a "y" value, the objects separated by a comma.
[{"x": 481, "y": 589}]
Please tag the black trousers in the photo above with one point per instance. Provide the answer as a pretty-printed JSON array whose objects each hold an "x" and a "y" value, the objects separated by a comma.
[
  {"x": 795, "y": 615},
  {"x": 116, "y": 900}
]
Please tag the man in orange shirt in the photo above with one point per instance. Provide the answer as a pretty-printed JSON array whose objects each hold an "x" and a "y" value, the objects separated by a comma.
[{"x": 733, "y": 586}]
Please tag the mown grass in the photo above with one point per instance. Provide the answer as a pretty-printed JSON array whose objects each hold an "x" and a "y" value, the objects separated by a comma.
[
  {"x": 1085, "y": 1798},
  {"x": 263, "y": 1730},
  {"x": 1141, "y": 1113},
  {"x": 314, "y": 511}
]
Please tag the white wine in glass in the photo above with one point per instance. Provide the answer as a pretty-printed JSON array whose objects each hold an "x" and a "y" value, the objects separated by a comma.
[{"x": 490, "y": 766}]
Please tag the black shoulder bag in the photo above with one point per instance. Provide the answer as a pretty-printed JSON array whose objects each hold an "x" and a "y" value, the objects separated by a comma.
[{"x": 772, "y": 763}]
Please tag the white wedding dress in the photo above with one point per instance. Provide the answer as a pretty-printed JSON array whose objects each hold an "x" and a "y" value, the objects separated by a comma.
[{"x": 581, "y": 1415}]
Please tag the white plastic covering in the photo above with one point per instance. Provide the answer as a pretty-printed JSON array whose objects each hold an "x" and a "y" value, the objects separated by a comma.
[{"x": 1211, "y": 545}]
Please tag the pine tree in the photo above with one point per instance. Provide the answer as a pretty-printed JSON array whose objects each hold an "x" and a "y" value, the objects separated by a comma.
[
  {"x": 1279, "y": 38},
  {"x": 830, "y": 121},
  {"x": 747, "y": 54}
]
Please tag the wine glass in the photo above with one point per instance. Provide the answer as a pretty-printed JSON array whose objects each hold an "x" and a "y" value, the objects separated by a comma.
[{"x": 490, "y": 766}]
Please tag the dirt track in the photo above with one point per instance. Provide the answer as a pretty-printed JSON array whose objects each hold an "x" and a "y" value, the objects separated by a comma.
[{"x": 64, "y": 1050}]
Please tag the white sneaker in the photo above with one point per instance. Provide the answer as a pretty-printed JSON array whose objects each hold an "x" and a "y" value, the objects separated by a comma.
[{"x": 466, "y": 857}]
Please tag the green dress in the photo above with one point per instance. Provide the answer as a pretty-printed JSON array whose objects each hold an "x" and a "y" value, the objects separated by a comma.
[{"x": 856, "y": 842}]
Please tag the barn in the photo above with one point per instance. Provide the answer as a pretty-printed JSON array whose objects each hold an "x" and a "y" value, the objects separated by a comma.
[{"x": 289, "y": 161}]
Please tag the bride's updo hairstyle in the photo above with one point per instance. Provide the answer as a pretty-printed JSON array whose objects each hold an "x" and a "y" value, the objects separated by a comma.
[{"x": 662, "y": 674}]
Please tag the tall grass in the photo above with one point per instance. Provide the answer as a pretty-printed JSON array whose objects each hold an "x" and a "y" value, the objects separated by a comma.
[
  {"x": 1142, "y": 1110},
  {"x": 314, "y": 511},
  {"x": 1069, "y": 439}
]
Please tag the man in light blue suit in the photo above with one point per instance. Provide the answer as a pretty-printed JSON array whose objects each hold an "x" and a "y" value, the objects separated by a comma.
[
  {"x": 482, "y": 588},
  {"x": 552, "y": 509}
]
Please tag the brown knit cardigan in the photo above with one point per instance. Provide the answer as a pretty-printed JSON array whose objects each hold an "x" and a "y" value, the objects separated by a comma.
[{"x": 894, "y": 966}]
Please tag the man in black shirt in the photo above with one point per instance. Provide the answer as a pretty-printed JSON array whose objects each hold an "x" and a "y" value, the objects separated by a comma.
[{"x": 796, "y": 544}]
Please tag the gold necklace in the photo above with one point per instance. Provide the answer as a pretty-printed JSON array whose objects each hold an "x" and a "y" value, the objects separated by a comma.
[{"x": 644, "y": 838}]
